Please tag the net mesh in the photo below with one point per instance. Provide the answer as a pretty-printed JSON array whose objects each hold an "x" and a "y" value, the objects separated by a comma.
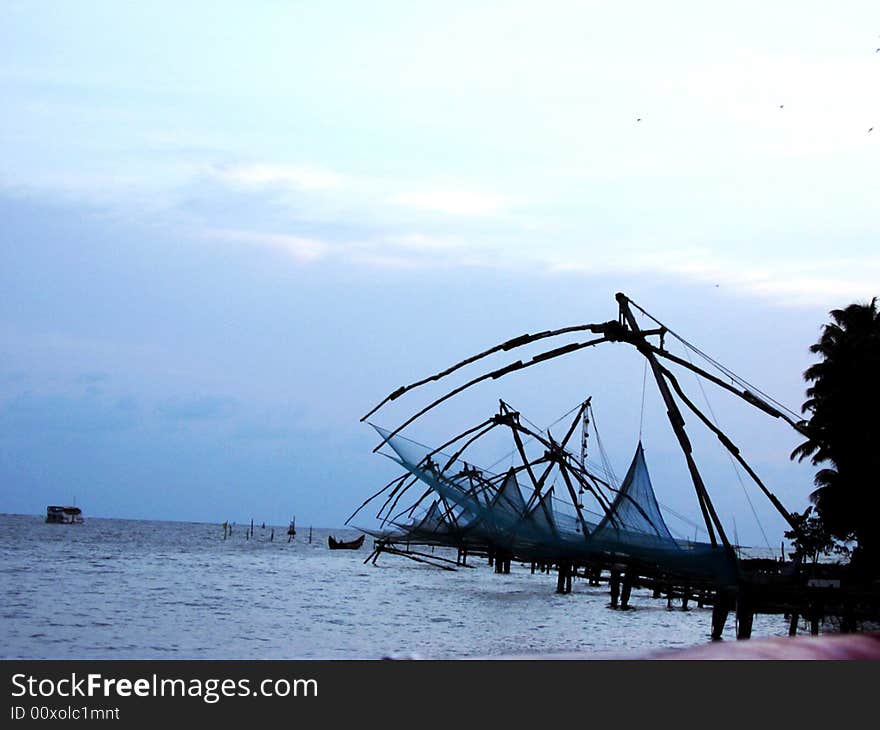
[{"x": 495, "y": 510}]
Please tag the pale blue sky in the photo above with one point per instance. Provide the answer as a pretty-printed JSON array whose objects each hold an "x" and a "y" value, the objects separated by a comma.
[{"x": 227, "y": 230}]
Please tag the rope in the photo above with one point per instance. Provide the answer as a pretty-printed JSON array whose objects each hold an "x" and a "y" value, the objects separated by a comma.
[
  {"x": 528, "y": 440},
  {"x": 642, "y": 414},
  {"x": 721, "y": 368},
  {"x": 609, "y": 471},
  {"x": 733, "y": 463}
]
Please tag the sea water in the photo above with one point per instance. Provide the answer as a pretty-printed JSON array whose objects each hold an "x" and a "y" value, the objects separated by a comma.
[{"x": 126, "y": 589}]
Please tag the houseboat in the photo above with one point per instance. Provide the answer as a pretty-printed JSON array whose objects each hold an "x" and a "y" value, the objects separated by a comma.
[{"x": 64, "y": 515}]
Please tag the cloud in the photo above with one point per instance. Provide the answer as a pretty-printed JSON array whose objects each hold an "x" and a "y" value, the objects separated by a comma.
[
  {"x": 197, "y": 408},
  {"x": 302, "y": 249},
  {"x": 820, "y": 281},
  {"x": 426, "y": 242},
  {"x": 363, "y": 192},
  {"x": 298, "y": 177},
  {"x": 31, "y": 414},
  {"x": 453, "y": 202}
]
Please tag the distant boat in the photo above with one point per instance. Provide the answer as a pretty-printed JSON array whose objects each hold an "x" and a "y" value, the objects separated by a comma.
[
  {"x": 342, "y": 545},
  {"x": 64, "y": 515}
]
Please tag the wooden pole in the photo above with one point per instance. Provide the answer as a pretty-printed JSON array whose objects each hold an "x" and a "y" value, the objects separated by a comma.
[
  {"x": 745, "y": 614},
  {"x": 720, "y": 610},
  {"x": 615, "y": 587},
  {"x": 627, "y": 589},
  {"x": 677, "y": 422}
]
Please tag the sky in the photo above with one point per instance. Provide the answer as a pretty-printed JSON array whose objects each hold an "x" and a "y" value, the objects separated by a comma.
[{"x": 227, "y": 231}]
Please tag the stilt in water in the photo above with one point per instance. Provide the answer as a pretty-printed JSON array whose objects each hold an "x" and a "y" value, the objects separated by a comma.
[
  {"x": 793, "y": 624},
  {"x": 310, "y": 535},
  {"x": 719, "y": 613},
  {"x": 272, "y": 535},
  {"x": 848, "y": 620},
  {"x": 815, "y": 613},
  {"x": 745, "y": 615},
  {"x": 377, "y": 549},
  {"x": 615, "y": 587},
  {"x": 563, "y": 579},
  {"x": 627, "y": 590}
]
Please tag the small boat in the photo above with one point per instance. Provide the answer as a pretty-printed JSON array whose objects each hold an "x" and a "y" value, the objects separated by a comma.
[
  {"x": 64, "y": 515},
  {"x": 342, "y": 545}
]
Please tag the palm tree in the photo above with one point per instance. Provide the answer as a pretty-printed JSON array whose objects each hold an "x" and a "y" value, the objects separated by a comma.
[{"x": 844, "y": 429}]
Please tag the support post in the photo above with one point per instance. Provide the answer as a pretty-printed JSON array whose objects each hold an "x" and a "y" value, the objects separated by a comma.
[
  {"x": 627, "y": 589},
  {"x": 676, "y": 420},
  {"x": 615, "y": 587},
  {"x": 745, "y": 614},
  {"x": 719, "y": 613}
]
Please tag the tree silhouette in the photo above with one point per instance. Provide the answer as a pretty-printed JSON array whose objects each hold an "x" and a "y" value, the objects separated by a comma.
[
  {"x": 844, "y": 429},
  {"x": 812, "y": 540}
]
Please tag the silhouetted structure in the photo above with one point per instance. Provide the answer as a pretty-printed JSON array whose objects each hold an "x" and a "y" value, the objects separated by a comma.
[{"x": 623, "y": 534}]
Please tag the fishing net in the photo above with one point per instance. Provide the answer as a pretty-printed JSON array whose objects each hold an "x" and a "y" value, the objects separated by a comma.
[{"x": 477, "y": 507}]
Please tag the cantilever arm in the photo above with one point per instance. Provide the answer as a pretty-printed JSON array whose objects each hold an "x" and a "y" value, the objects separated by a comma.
[
  {"x": 452, "y": 459},
  {"x": 746, "y": 395},
  {"x": 494, "y": 375},
  {"x": 412, "y": 508},
  {"x": 603, "y": 501},
  {"x": 394, "y": 481},
  {"x": 733, "y": 449},
  {"x": 503, "y": 347},
  {"x": 543, "y": 478},
  {"x": 399, "y": 491},
  {"x": 460, "y": 436}
]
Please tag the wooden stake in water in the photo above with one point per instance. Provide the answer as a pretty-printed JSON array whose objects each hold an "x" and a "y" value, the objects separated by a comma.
[{"x": 310, "y": 536}]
